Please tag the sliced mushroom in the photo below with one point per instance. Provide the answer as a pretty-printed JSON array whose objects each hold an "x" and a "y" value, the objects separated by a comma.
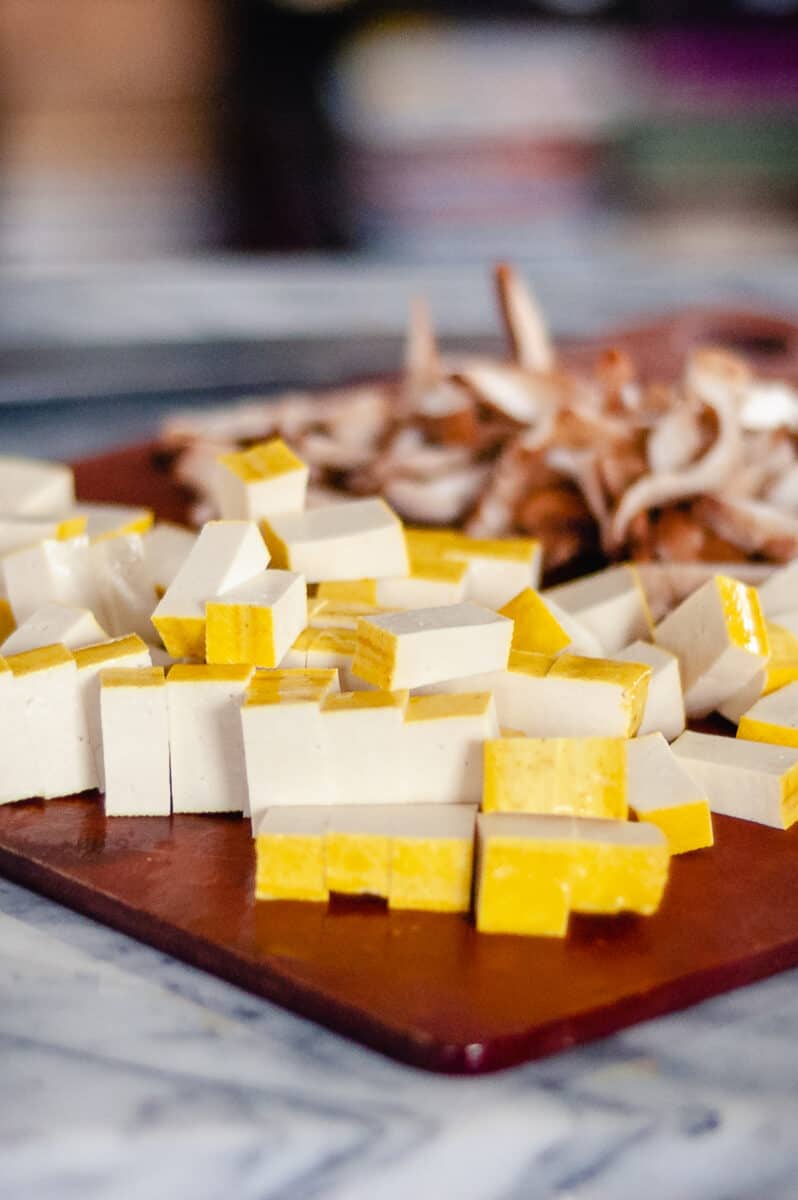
[{"x": 524, "y": 322}]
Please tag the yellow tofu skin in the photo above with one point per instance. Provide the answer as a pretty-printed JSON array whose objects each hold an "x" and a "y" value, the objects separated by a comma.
[
  {"x": 183, "y": 637},
  {"x": 431, "y": 874},
  {"x": 349, "y": 591},
  {"x": 209, "y": 673},
  {"x": 299, "y": 686},
  {"x": 41, "y": 659},
  {"x": 577, "y": 776},
  {"x": 375, "y": 655},
  {"x": 101, "y": 652},
  {"x": 432, "y": 545},
  {"x": 752, "y": 730},
  {"x": 520, "y": 892},
  {"x": 742, "y": 615},
  {"x": 356, "y": 701},
  {"x": 686, "y": 826},
  {"x": 358, "y": 863},
  {"x": 535, "y": 628},
  {"x": 783, "y": 663},
  {"x": 632, "y": 678},
  {"x": 280, "y": 554},
  {"x": 239, "y": 633},
  {"x": 290, "y": 867},
  {"x": 613, "y": 879},
  {"x": 264, "y": 460},
  {"x": 442, "y": 706},
  {"x": 7, "y": 622},
  {"x": 72, "y": 527},
  {"x": 136, "y": 677}
]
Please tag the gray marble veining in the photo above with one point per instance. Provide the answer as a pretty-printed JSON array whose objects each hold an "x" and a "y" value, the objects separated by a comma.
[{"x": 126, "y": 1074}]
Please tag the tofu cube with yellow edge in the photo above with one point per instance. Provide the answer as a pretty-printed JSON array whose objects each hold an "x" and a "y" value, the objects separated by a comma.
[
  {"x": 225, "y": 555},
  {"x": 581, "y": 777},
  {"x": 428, "y": 585},
  {"x": 330, "y": 614},
  {"x": 432, "y": 857},
  {"x": 55, "y": 624},
  {"x": 662, "y": 792},
  {"x": 568, "y": 696},
  {"x": 610, "y": 603},
  {"x": 33, "y": 487},
  {"x": 101, "y": 521},
  {"x": 321, "y": 649},
  {"x": 256, "y": 622},
  {"x": 783, "y": 662},
  {"x": 56, "y": 737},
  {"x": 542, "y": 627},
  {"x": 498, "y": 568},
  {"x": 52, "y": 572},
  {"x": 130, "y": 653},
  {"x": 348, "y": 591},
  {"x": 442, "y": 747},
  {"x": 284, "y": 743},
  {"x": 664, "y": 708},
  {"x": 135, "y": 742},
  {"x": 7, "y": 622},
  {"x": 532, "y": 870},
  {"x": 774, "y": 718},
  {"x": 718, "y": 634},
  {"x": 19, "y": 779},
  {"x": 207, "y": 754},
  {"x": 754, "y": 781},
  {"x": 358, "y": 850},
  {"x": 356, "y": 540},
  {"x": 363, "y": 734},
  {"x": 423, "y": 646},
  {"x": 265, "y": 479},
  {"x": 290, "y": 854}
]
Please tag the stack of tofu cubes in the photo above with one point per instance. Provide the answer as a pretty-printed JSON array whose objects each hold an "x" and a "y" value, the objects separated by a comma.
[{"x": 400, "y": 713}]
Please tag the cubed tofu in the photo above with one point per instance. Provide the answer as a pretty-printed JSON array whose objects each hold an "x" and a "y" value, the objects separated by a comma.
[
  {"x": 532, "y": 870},
  {"x": 662, "y": 792},
  {"x": 664, "y": 709},
  {"x": 357, "y": 540},
  {"x": 750, "y": 780},
  {"x": 773, "y": 718},
  {"x": 135, "y": 742},
  {"x": 443, "y": 743},
  {"x": 258, "y": 621},
  {"x": 17, "y": 533},
  {"x": 123, "y": 578},
  {"x": 718, "y": 634},
  {"x": 610, "y": 603},
  {"x": 427, "y": 586},
  {"x": 779, "y": 592},
  {"x": 34, "y": 488},
  {"x": 432, "y": 857},
  {"x": 581, "y": 777},
  {"x": 265, "y": 479},
  {"x": 364, "y": 746},
  {"x": 166, "y": 547},
  {"x": 207, "y": 754},
  {"x": 111, "y": 520},
  {"x": 225, "y": 555},
  {"x": 422, "y": 646},
  {"x": 284, "y": 743},
  {"x": 129, "y": 653},
  {"x": 321, "y": 649},
  {"x": 19, "y": 779},
  {"x": 498, "y": 568},
  {"x": 52, "y": 572},
  {"x": 290, "y": 854},
  {"x": 542, "y": 627},
  {"x": 56, "y": 741},
  {"x": 54, "y": 624}
]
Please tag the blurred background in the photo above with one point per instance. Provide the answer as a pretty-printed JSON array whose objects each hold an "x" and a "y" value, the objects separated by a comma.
[
  {"x": 199, "y": 195},
  {"x": 441, "y": 131}
]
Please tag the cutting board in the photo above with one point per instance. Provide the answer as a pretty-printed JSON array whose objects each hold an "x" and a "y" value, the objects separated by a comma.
[{"x": 424, "y": 988}]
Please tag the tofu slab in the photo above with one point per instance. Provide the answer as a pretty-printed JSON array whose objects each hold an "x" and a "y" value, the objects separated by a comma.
[
  {"x": 135, "y": 715},
  {"x": 749, "y": 780}
]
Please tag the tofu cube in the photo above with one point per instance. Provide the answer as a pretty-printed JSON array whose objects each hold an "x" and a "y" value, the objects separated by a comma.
[
  {"x": 256, "y": 622},
  {"x": 356, "y": 540},
  {"x": 363, "y": 736},
  {"x": 542, "y": 627},
  {"x": 443, "y": 742},
  {"x": 54, "y": 624},
  {"x": 753, "y": 781},
  {"x": 664, "y": 708},
  {"x": 135, "y": 742},
  {"x": 610, "y": 603},
  {"x": 52, "y": 572},
  {"x": 581, "y": 777},
  {"x": 432, "y": 857},
  {"x": 290, "y": 854},
  {"x": 267, "y": 478},
  {"x": 35, "y": 488},
  {"x": 662, "y": 792},
  {"x": 207, "y": 754},
  {"x": 130, "y": 653},
  {"x": 773, "y": 718}
]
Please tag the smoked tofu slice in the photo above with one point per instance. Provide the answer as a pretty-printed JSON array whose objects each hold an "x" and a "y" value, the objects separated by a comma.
[
  {"x": 542, "y": 627},
  {"x": 422, "y": 646},
  {"x": 750, "y": 780},
  {"x": 442, "y": 743},
  {"x": 533, "y": 870},
  {"x": 284, "y": 743},
  {"x": 568, "y": 696},
  {"x": 610, "y": 603},
  {"x": 255, "y": 483},
  {"x": 34, "y": 488},
  {"x": 135, "y": 742},
  {"x": 774, "y": 718},
  {"x": 56, "y": 742},
  {"x": 290, "y": 854},
  {"x": 581, "y": 777},
  {"x": 718, "y": 634},
  {"x": 207, "y": 754},
  {"x": 225, "y": 555},
  {"x": 129, "y": 653},
  {"x": 664, "y": 708},
  {"x": 357, "y": 540},
  {"x": 55, "y": 623},
  {"x": 662, "y": 792},
  {"x": 258, "y": 621}
]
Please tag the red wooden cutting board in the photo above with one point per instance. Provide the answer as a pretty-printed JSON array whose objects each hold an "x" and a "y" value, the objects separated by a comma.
[{"x": 423, "y": 988}]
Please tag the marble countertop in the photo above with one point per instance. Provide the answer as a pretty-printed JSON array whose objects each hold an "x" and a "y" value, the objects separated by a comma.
[{"x": 125, "y": 1074}]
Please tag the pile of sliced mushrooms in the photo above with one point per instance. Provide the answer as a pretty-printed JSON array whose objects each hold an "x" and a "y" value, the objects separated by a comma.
[{"x": 600, "y": 465}]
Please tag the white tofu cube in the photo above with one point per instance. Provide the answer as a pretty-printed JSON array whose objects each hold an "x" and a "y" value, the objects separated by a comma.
[
  {"x": 135, "y": 742},
  {"x": 267, "y": 478},
  {"x": 34, "y": 488},
  {"x": 207, "y": 753},
  {"x": 444, "y": 739},
  {"x": 664, "y": 711},
  {"x": 52, "y": 572},
  {"x": 258, "y": 621},
  {"x": 357, "y": 540},
  {"x": 610, "y": 603},
  {"x": 54, "y": 624},
  {"x": 127, "y": 652},
  {"x": 750, "y": 780}
]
